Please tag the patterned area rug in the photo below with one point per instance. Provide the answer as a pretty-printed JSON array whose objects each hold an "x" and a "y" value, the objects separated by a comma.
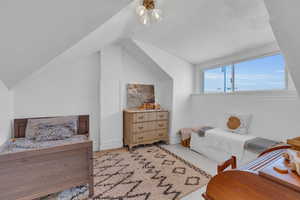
[{"x": 147, "y": 173}]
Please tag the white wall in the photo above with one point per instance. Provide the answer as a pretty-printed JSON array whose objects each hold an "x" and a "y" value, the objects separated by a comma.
[
  {"x": 110, "y": 104},
  {"x": 118, "y": 68},
  {"x": 134, "y": 71},
  {"x": 182, "y": 74},
  {"x": 5, "y": 113},
  {"x": 65, "y": 89},
  {"x": 275, "y": 116}
]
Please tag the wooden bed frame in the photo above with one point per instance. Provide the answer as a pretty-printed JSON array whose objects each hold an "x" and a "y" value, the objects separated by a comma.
[{"x": 32, "y": 174}]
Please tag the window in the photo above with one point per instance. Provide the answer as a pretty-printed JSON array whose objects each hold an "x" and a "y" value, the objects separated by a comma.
[
  {"x": 218, "y": 79},
  {"x": 267, "y": 73}
]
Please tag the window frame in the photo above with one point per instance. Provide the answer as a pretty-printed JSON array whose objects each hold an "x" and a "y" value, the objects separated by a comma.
[{"x": 286, "y": 78}]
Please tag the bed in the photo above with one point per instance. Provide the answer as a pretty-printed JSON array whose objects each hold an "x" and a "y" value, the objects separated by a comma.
[
  {"x": 219, "y": 145},
  {"x": 33, "y": 173}
]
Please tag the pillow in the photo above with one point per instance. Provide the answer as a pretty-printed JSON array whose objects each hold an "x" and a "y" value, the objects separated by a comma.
[
  {"x": 53, "y": 132},
  {"x": 237, "y": 123},
  {"x": 34, "y": 125}
]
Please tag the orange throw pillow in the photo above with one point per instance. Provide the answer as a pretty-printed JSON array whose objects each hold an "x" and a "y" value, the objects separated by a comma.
[{"x": 233, "y": 123}]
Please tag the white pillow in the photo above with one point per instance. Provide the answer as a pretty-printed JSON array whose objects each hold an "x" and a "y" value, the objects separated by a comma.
[{"x": 237, "y": 123}]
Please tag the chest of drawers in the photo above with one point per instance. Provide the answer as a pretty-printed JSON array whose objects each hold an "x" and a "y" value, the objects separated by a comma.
[{"x": 145, "y": 127}]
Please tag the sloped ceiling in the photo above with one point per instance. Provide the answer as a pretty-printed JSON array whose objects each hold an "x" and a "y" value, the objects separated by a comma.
[
  {"x": 284, "y": 18},
  {"x": 200, "y": 30},
  {"x": 33, "y": 32}
]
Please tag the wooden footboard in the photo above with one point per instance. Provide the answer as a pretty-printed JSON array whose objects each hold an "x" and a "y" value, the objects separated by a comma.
[{"x": 35, "y": 173}]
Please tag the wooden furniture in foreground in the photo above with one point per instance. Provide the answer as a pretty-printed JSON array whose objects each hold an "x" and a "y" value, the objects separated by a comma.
[
  {"x": 256, "y": 180},
  {"x": 231, "y": 162},
  {"x": 145, "y": 127},
  {"x": 32, "y": 174}
]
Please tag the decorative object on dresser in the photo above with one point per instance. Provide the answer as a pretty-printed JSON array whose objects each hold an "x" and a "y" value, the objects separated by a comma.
[
  {"x": 266, "y": 178},
  {"x": 145, "y": 127}
]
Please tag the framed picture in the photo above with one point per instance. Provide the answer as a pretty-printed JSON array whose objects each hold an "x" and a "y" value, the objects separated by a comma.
[{"x": 138, "y": 94}]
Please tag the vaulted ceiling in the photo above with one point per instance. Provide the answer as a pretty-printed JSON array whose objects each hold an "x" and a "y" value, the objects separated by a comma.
[
  {"x": 33, "y": 32},
  {"x": 200, "y": 30}
]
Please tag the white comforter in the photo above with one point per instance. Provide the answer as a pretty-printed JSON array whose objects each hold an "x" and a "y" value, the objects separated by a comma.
[{"x": 225, "y": 141}]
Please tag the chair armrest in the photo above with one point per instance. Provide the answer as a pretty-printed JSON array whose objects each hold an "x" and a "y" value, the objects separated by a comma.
[{"x": 231, "y": 162}]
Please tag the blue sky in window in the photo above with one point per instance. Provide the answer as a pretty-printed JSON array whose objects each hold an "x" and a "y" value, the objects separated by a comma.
[{"x": 266, "y": 73}]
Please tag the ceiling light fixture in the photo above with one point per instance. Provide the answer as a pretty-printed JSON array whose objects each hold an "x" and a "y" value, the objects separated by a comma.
[{"x": 148, "y": 12}]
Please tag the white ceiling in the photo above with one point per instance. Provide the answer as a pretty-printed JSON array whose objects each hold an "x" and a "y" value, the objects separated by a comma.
[
  {"x": 33, "y": 32},
  {"x": 200, "y": 30}
]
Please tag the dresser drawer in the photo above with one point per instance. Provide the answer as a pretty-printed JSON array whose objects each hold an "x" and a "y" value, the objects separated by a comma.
[
  {"x": 162, "y": 115},
  {"x": 162, "y": 133},
  {"x": 145, "y": 136},
  {"x": 144, "y": 126},
  {"x": 161, "y": 124},
  {"x": 151, "y": 116},
  {"x": 139, "y": 117},
  {"x": 140, "y": 138},
  {"x": 140, "y": 127},
  {"x": 151, "y": 126},
  {"x": 143, "y": 117}
]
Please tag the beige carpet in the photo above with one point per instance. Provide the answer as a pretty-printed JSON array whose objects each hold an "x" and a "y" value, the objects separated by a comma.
[{"x": 147, "y": 173}]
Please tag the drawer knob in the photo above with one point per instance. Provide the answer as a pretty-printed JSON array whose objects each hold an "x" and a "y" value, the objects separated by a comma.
[
  {"x": 140, "y": 127},
  {"x": 160, "y": 125}
]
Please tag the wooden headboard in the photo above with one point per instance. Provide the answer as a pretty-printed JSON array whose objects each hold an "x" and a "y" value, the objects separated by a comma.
[{"x": 20, "y": 125}]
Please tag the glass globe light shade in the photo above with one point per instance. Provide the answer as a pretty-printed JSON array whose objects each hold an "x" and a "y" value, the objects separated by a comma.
[
  {"x": 145, "y": 19},
  {"x": 141, "y": 10},
  {"x": 156, "y": 14}
]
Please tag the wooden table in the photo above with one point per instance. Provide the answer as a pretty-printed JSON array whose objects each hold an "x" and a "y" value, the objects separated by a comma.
[{"x": 256, "y": 181}]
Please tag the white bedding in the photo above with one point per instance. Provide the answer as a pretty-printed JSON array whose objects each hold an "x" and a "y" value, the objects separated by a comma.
[{"x": 220, "y": 145}]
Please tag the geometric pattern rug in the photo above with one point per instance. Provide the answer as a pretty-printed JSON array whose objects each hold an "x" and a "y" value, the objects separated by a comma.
[{"x": 146, "y": 173}]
